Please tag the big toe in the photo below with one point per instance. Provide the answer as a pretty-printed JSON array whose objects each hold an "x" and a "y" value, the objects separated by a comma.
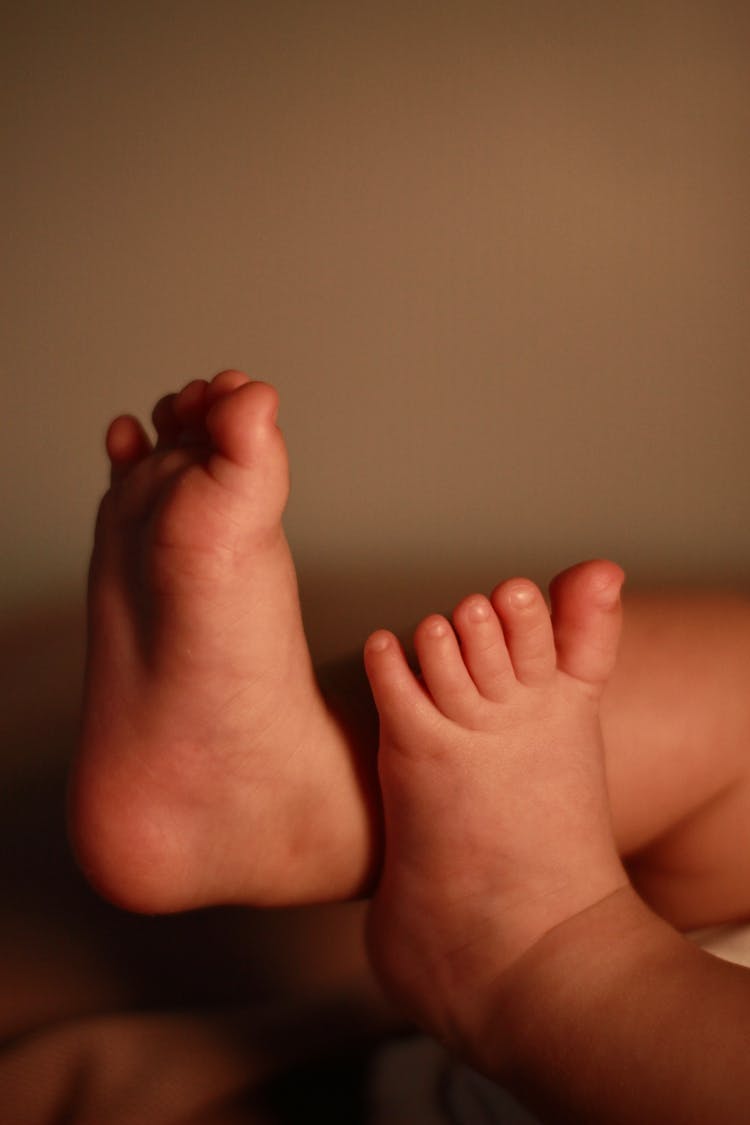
[
  {"x": 587, "y": 618},
  {"x": 224, "y": 383},
  {"x": 249, "y": 448},
  {"x": 242, "y": 422}
]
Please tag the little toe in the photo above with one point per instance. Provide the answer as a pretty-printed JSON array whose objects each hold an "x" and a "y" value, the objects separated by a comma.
[
  {"x": 127, "y": 443},
  {"x": 587, "y": 618},
  {"x": 483, "y": 646},
  {"x": 398, "y": 696},
  {"x": 444, "y": 672},
  {"x": 528, "y": 630}
]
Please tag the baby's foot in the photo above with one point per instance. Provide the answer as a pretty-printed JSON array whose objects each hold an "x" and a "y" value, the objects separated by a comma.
[
  {"x": 496, "y": 814},
  {"x": 209, "y": 768}
]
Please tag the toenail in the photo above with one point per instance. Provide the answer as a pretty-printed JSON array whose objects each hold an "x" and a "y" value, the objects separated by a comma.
[
  {"x": 437, "y": 628},
  {"x": 608, "y": 595},
  {"x": 379, "y": 642},
  {"x": 521, "y": 596},
  {"x": 478, "y": 611}
]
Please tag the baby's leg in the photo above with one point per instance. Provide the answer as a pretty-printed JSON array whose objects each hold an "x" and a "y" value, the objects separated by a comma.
[
  {"x": 497, "y": 824},
  {"x": 210, "y": 768},
  {"x": 676, "y": 723}
]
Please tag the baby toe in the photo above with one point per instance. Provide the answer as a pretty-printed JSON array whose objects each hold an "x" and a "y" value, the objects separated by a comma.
[
  {"x": 223, "y": 384},
  {"x": 528, "y": 630},
  {"x": 587, "y": 619},
  {"x": 398, "y": 696},
  {"x": 242, "y": 423},
  {"x": 483, "y": 646},
  {"x": 444, "y": 672},
  {"x": 127, "y": 443}
]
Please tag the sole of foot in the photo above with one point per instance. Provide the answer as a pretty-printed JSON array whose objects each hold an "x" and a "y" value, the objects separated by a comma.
[{"x": 209, "y": 768}]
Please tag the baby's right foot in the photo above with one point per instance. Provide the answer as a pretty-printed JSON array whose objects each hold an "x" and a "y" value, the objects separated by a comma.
[
  {"x": 497, "y": 823},
  {"x": 209, "y": 769}
]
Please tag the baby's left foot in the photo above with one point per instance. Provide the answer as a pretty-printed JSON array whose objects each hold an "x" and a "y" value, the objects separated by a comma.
[{"x": 492, "y": 772}]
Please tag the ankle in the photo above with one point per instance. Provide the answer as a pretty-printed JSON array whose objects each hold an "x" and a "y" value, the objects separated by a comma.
[{"x": 579, "y": 961}]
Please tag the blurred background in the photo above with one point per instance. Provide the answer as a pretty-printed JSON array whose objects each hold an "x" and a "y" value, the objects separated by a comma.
[{"x": 496, "y": 258}]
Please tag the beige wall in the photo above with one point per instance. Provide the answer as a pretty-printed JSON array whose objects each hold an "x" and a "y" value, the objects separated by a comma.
[{"x": 498, "y": 265}]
